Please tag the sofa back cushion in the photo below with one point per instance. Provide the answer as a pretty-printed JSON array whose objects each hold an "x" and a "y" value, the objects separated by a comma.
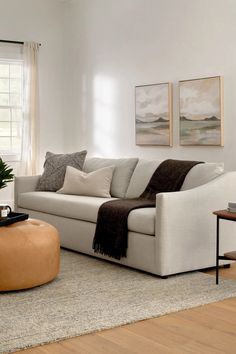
[
  {"x": 122, "y": 173},
  {"x": 198, "y": 175},
  {"x": 141, "y": 176},
  {"x": 201, "y": 174}
]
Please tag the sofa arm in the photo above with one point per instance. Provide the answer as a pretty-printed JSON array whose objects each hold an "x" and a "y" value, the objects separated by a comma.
[
  {"x": 186, "y": 227},
  {"x": 24, "y": 184}
]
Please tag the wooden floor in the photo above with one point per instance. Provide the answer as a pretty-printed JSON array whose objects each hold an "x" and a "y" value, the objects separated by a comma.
[{"x": 209, "y": 329}]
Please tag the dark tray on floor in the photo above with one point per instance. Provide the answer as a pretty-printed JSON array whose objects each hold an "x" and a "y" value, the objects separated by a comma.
[{"x": 13, "y": 217}]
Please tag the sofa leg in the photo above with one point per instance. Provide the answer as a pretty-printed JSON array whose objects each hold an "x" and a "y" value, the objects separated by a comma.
[{"x": 164, "y": 276}]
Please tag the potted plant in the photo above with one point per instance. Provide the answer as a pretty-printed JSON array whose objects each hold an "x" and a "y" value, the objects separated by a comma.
[{"x": 6, "y": 174}]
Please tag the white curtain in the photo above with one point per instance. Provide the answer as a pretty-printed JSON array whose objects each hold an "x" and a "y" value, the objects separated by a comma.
[{"x": 28, "y": 164}]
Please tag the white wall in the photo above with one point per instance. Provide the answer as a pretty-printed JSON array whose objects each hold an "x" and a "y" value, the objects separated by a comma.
[
  {"x": 114, "y": 45},
  {"x": 40, "y": 21},
  {"x": 94, "y": 52}
]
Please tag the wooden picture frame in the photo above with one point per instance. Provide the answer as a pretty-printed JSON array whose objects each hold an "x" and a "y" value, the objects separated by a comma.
[
  {"x": 201, "y": 111},
  {"x": 153, "y": 114}
]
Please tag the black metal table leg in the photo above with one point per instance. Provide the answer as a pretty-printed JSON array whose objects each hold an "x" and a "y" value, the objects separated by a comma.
[{"x": 217, "y": 249}]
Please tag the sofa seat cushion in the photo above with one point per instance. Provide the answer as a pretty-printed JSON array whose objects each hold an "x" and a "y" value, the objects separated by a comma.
[
  {"x": 70, "y": 206},
  {"x": 83, "y": 208},
  {"x": 142, "y": 221}
]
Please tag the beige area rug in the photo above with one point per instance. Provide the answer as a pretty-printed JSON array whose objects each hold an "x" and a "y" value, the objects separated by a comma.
[{"x": 91, "y": 295}]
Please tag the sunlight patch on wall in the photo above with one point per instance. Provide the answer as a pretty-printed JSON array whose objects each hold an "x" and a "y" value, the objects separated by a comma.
[{"x": 104, "y": 119}]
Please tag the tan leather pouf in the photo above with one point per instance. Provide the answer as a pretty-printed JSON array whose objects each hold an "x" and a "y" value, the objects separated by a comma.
[{"x": 29, "y": 254}]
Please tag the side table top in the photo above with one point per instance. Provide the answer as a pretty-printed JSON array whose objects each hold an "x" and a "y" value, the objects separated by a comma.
[{"x": 225, "y": 214}]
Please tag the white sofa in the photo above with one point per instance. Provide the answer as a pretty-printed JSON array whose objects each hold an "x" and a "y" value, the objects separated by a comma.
[{"x": 176, "y": 236}]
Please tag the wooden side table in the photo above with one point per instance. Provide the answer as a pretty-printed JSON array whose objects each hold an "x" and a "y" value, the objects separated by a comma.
[{"x": 224, "y": 215}]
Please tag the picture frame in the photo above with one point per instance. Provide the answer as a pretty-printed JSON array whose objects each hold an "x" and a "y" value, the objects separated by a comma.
[
  {"x": 153, "y": 114},
  {"x": 201, "y": 111}
]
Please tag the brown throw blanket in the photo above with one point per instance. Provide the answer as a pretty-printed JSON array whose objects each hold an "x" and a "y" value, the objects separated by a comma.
[{"x": 111, "y": 235}]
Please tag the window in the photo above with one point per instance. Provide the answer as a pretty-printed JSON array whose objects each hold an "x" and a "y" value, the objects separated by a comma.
[{"x": 11, "y": 107}]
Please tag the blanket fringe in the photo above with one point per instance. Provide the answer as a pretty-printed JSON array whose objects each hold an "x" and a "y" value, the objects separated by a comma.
[{"x": 98, "y": 248}]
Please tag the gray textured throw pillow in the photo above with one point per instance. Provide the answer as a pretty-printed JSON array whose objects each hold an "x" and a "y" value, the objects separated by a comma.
[{"x": 55, "y": 168}]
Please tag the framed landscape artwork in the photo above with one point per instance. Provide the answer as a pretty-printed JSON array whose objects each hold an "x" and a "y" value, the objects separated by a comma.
[
  {"x": 201, "y": 111},
  {"x": 153, "y": 114}
]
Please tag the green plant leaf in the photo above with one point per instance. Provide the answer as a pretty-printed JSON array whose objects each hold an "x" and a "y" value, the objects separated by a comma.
[{"x": 6, "y": 174}]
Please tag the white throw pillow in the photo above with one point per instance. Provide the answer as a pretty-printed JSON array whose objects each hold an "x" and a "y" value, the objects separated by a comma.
[{"x": 96, "y": 183}]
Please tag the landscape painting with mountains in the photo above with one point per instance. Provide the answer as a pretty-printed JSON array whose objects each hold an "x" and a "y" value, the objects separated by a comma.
[
  {"x": 152, "y": 114},
  {"x": 200, "y": 111}
]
